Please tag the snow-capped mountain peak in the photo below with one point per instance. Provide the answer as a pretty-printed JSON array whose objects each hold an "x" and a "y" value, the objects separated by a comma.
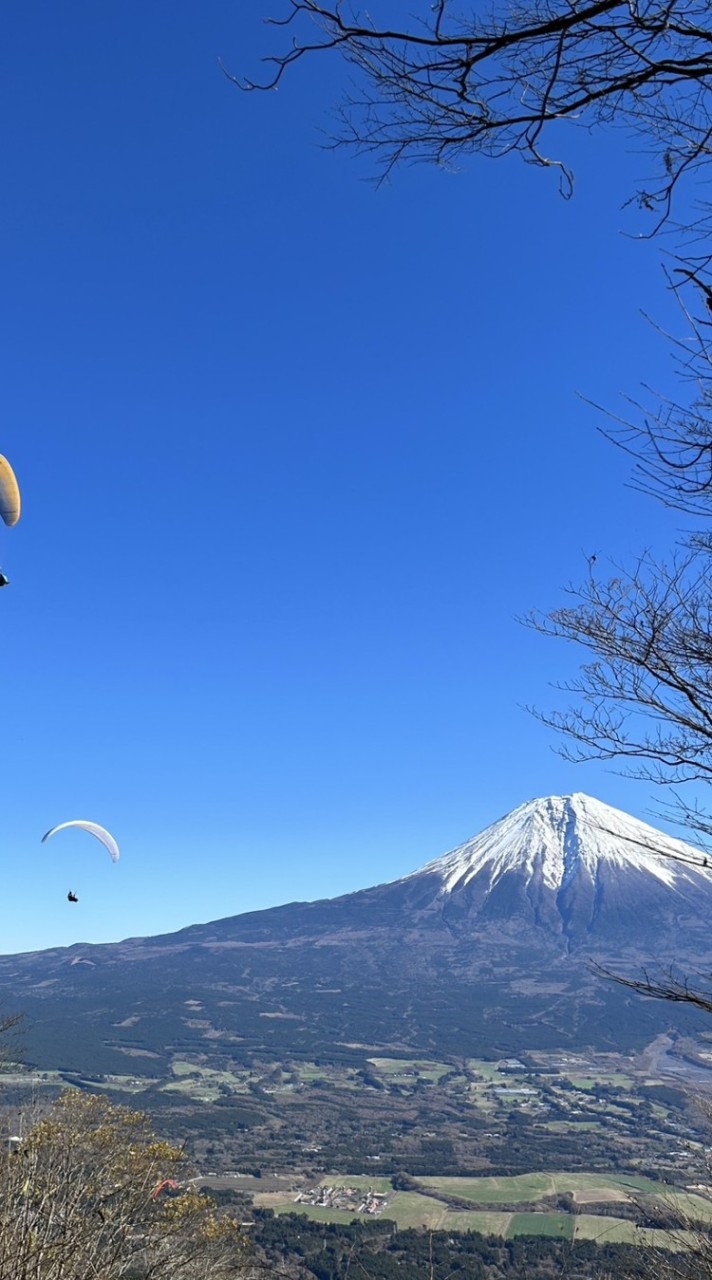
[{"x": 557, "y": 839}]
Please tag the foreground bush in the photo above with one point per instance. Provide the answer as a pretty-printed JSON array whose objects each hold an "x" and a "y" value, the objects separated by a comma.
[{"x": 92, "y": 1192}]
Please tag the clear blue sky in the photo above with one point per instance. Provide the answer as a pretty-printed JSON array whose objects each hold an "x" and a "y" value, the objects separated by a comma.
[{"x": 294, "y": 453}]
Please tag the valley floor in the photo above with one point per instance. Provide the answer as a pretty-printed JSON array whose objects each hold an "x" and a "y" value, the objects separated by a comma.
[{"x": 574, "y": 1146}]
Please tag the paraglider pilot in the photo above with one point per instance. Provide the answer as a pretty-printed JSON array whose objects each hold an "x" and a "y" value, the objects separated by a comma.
[{"x": 72, "y": 897}]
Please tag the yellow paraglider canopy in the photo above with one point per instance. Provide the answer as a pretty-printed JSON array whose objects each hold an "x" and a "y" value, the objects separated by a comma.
[{"x": 9, "y": 493}]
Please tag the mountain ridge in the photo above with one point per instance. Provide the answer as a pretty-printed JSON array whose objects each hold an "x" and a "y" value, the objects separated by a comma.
[{"x": 485, "y": 949}]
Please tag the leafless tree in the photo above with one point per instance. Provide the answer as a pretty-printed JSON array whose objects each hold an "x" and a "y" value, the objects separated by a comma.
[
  {"x": 670, "y": 440},
  {"x": 498, "y": 78},
  {"x": 644, "y": 696},
  {"x": 679, "y": 1245},
  {"x": 671, "y": 986},
  {"x": 10, "y": 1026}
]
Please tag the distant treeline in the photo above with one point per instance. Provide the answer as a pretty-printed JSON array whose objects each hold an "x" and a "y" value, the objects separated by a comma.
[{"x": 330, "y": 1251}]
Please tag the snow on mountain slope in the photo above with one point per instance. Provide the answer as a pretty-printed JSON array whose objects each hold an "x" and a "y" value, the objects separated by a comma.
[
  {"x": 484, "y": 952},
  {"x": 557, "y": 840}
]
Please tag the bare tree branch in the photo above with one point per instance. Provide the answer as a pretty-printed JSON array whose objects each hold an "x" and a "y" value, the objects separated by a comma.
[
  {"x": 494, "y": 81},
  {"x": 666, "y": 986},
  {"x": 646, "y": 697}
]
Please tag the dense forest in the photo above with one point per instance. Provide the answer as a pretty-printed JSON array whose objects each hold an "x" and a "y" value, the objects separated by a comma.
[{"x": 329, "y": 1251}]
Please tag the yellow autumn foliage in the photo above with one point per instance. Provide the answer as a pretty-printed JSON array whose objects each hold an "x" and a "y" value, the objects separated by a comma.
[{"x": 83, "y": 1196}]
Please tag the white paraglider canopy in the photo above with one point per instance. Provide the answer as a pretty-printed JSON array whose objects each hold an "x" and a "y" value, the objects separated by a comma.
[{"x": 94, "y": 829}]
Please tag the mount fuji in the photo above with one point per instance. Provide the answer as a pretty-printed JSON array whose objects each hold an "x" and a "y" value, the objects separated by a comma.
[
  {"x": 574, "y": 867},
  {"x": 485, "y": 949}
]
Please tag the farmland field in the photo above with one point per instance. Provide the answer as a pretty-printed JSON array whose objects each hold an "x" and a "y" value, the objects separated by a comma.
[
  {"x": 489, "y": 1224},
  {"x": 409, "y": 1209},
  {"x": 526, "y": 1187},
  {"x": 398, "y": 1067},
  {"x": 542, "y": 1224},
  {"x": 361, "y": 1181},
  {"x": 471, "y": 1144},
  {"x": 615, "y": 1078},
  {"x": 621, "y": 1231},
  {"x": 315, "y": 1211},
  {"x": 413, "y": 1208}
]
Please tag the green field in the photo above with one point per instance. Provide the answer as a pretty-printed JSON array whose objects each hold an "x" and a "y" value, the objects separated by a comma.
[
  {"x": 542, "y": 1224},
  {"x": 606, "y": 1230},
  {"x": 202, "y": 1083},
  {"x": 590, "y": 1181},
  {"x": 363, "y": 1181},
  {"x": 395, "y": 1067},
  {"x": 526, "y": 1187},
  {"x": 409, "y": 1209},
  {"x": 181, "y": 1068},
  {"x": 316, "y": 1212},
  {"x": 523, "y": 1187},
  {"x": 487, "y": 1070},
  {"x": 412, "y": 1209},
  {"x": 310, "y": 1071},
  {"x": 691, "y": 1207},
  {"x": 489, "y": 1224},
  {"x": 620, "y": 1231}
]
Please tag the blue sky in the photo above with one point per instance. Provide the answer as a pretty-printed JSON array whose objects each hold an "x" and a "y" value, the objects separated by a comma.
[{"x": 295, "y": 452}]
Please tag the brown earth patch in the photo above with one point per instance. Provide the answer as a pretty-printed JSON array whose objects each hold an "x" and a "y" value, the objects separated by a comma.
[{"x": 601, "y": 1195}]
